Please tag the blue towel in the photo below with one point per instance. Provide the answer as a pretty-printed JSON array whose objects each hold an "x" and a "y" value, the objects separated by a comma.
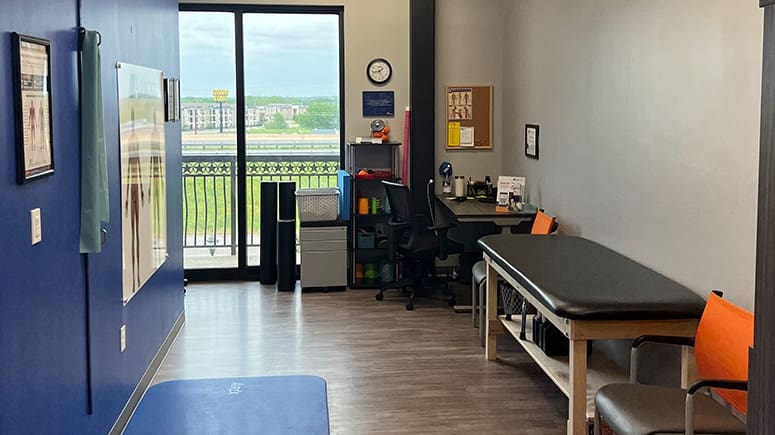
[{"x": 94, "y": 167}]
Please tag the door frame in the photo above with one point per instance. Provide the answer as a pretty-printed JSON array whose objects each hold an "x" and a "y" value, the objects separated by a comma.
[{"x": 243, "y": 271}]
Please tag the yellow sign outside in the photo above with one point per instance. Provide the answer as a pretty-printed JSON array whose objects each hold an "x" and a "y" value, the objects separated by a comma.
[{"x": 220, "y": 95}]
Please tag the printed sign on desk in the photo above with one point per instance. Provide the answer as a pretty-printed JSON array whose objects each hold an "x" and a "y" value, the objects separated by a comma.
[{"x": 511, "y": 191}]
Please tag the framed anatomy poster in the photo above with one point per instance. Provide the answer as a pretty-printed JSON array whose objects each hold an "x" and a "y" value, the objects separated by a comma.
[
  {"x": 469, "y": 117},
  {"x": 32, "y": 96},
  {"x": 143, "y": 181}
]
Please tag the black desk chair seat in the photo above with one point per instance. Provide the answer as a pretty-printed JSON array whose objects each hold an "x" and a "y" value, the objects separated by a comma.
[
  {"x": 427, "y": 244},
  {"x": 417, "y": 244}
]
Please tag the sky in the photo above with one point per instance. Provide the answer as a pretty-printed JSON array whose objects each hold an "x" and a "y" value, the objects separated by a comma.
[{"x": 293, "y": 55}]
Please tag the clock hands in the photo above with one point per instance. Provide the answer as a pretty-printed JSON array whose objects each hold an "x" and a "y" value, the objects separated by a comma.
[{"x": 379, "y": 71}]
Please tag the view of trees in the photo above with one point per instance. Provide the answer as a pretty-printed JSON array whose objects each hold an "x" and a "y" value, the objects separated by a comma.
[
  {"x": 253, "y": 100},
  {"x": 319, "y": 115},
  {"x": 320, "y": 112},
  {"x": 277, "y": 122}
]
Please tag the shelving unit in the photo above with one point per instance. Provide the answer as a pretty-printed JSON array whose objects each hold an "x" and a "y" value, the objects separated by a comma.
[
  {"x": 383, "y": 159},
  {"x": 600, "y": 370}
]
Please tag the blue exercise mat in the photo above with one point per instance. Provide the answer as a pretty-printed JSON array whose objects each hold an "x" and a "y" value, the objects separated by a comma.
[{"x": 261, "y": 405}]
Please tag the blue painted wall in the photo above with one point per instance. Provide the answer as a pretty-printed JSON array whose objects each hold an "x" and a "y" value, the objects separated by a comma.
[{"x": 43, "y": 307}]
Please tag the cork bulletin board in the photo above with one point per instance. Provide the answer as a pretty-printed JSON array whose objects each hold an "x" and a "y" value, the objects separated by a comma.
[{"x": 469, "y": 117}]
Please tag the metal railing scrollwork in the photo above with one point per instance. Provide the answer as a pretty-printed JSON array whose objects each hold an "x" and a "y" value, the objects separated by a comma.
[{"x": 210, "y": 192}]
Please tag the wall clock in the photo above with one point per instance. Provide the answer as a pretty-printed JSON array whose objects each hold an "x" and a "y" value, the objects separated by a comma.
[{"x": 379, "y": 71}]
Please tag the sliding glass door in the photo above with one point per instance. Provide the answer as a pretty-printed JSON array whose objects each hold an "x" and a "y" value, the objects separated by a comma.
[
  {"x": 261, "y": 92},
  {"x": 209, "y": 139}
]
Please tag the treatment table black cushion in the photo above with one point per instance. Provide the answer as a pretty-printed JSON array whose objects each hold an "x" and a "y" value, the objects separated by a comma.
[{"x": 579, "y": 279}]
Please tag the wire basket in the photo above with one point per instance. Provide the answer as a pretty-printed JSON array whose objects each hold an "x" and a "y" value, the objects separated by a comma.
[
  {"x": 512, "y": 300},
  {"x": 317, "y": 205}
]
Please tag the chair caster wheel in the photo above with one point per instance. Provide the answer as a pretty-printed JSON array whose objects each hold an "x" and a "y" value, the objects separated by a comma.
[
  {"x": 379, "y": 296},
  {"x": 409, "y": 306}
]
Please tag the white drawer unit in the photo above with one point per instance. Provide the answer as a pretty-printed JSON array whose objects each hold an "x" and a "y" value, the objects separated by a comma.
[{"x": 323, "y": 255}]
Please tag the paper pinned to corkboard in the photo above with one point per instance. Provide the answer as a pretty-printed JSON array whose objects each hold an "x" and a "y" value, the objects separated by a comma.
[{"x": 469, "y": 110}]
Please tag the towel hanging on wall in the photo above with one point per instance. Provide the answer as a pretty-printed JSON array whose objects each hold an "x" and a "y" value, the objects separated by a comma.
[{"x": 94, "y": 168}]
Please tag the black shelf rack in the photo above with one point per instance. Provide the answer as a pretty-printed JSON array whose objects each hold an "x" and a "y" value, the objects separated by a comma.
[{"x": 369, "y": 256}]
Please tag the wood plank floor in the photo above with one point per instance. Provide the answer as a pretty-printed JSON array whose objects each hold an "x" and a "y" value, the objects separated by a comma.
[{"x": 388, "y": 370}]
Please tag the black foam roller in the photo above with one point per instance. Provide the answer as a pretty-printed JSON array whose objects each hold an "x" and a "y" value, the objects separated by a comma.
[
  {"x": 286, "y": 254},
  {"x": 268, "y": 267},
  {"x": 287, "y": 200}
]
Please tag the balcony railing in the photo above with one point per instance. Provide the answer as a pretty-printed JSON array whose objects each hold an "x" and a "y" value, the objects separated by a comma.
[{"x": 210, "y": 191}]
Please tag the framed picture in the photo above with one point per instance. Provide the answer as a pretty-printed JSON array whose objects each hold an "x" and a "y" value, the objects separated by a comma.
[
  {"x": 32, "y": 100},
  {"x": 378, "y": 103},
  {"x": 171, "y": 99},
  {"x": 531, "y": 140}
]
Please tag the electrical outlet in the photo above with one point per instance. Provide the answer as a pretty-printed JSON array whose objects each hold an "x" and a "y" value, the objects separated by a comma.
[
  {"x": 123, "y": 338},
  {"x": 37, "y": 232}
]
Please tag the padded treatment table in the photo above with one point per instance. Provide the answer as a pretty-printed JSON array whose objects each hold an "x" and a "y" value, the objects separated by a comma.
[{"x": 589, "y": 292}]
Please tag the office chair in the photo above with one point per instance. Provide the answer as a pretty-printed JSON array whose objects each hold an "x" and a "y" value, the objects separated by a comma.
[
  {"x": 721, "y": 345},
  {"x": 415, "y": 243}
]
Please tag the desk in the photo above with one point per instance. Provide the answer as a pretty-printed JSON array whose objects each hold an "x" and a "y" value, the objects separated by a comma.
[
  {"x": 473, "y": 210},
  {"x": 588, "y": 292}
]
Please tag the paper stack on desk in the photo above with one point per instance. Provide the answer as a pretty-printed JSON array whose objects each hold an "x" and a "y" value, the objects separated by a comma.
[{"x": 511, "y": 191}]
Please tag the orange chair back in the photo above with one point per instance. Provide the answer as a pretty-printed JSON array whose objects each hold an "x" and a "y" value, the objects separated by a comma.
[
  {"x": 542, "y": 224},
  {"x": 724, "y": 336}
]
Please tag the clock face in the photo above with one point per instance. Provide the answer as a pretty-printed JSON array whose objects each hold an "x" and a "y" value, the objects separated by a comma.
[{"x": 379, "y": 71}]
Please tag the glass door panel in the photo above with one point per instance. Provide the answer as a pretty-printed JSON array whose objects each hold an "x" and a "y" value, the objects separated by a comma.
[
  {"x": 292, "y": 99},
  {"x": 209, "y": 139}
]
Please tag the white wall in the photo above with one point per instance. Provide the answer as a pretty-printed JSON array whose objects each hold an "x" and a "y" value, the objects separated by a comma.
[
  {"x": 649, "y": 115},
  {"x": 372, "y": 28},
  {"x": 469, "y": 47}
]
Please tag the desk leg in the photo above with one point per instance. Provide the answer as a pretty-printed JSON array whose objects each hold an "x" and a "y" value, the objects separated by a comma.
[
  {"x": 492, "y": 312},
  {"x": 577, "y": 402}
]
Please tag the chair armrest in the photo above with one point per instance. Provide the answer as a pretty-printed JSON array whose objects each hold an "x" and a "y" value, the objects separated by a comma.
[
  {"x": 727, "y": 384},
  {"x": 397, "y": 225},
  {"x": 441, "y": 227},
  {"x": 441, "y": 233},
  {"x": 664, "y": 339}
]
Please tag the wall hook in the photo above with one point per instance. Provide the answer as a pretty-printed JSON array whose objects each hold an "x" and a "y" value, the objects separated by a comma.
[{"x": 82, "y": 31}]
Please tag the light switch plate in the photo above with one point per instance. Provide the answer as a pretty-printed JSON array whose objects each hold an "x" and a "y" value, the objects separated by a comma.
[{"x": 37, "y": 232}]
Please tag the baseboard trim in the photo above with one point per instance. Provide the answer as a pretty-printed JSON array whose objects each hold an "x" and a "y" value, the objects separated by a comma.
[{"x": 145, "y": 380}]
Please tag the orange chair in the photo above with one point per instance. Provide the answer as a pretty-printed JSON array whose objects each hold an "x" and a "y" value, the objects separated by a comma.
[
  {"x": 724, "y": 335},
  {"x": 543, "y": 224}
]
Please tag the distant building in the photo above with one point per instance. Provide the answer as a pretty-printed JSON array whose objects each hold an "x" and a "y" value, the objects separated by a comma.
[{"x": 206, "y": 116}]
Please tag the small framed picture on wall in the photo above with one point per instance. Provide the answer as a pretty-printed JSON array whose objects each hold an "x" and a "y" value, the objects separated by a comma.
[
  {"x": 32, "y": 111},
  {"x": 531, "y": 140}
]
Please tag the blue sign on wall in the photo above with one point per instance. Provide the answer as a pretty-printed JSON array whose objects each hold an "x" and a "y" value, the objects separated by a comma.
[{"x": 379, "y": 103}]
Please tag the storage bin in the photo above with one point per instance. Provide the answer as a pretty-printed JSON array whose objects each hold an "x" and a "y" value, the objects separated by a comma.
[
  {"x": 371, "y": 271},
  {"x": 316, "y": 205},
  {"x": 343, "y": 181},
  {"x": 365, "y": 240}
]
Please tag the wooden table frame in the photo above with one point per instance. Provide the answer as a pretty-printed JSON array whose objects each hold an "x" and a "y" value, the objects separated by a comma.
[{"x": 579, "y": 332}]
